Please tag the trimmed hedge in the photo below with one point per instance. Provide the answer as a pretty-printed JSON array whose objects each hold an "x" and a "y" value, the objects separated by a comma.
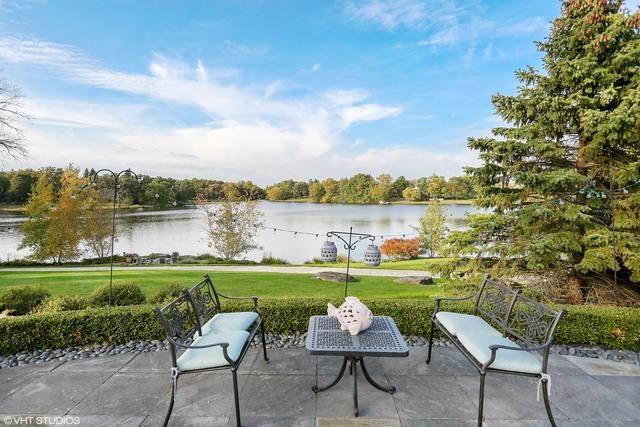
[{"x": 610, "y": 327}]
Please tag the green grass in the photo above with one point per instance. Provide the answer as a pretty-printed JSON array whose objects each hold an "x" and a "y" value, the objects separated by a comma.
[{"x": 245, "y": 283}]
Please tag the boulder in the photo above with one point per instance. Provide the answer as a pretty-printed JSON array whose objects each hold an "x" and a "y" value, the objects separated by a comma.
[
  {"x": 334, "y": 276},
  {"x": 415, "y": 280}
]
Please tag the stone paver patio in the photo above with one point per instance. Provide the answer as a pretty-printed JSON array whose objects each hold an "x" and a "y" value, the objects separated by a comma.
[{"x": 133, "y": 390}]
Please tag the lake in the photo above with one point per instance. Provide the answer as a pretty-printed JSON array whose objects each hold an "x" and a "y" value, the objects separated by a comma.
[{"x": 144, "y": 231}]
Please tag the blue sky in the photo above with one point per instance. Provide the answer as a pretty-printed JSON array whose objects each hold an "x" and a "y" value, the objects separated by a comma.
[{"x": 264, "y": 90}]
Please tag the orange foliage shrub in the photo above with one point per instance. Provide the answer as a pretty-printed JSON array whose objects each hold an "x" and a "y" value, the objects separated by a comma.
[{"x": 397, "y": 249}]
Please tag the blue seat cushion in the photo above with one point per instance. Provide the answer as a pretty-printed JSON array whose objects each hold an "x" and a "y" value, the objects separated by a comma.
[
  {"x": 213, "y": 357},
  {"x": 509, "y": 360},
  {"x": 223, "y": 322},
  {"x": 457, "y": 322}
]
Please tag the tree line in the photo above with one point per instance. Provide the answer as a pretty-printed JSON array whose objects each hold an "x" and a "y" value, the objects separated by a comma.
[
  {"x": 16, "y": 187},
  {"x": 364, "y": 188}
]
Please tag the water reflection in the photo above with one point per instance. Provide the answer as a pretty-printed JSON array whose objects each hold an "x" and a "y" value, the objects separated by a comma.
[{"x": 182, "y": 230}]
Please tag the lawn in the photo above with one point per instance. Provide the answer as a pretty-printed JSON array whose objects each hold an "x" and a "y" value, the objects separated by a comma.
[{"x": 245, "y": 283}]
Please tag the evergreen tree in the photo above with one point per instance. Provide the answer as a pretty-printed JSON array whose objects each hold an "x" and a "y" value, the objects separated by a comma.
[{"x": 559, "y": 180}]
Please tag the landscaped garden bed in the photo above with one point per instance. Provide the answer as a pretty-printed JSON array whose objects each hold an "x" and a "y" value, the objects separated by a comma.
[{"x": 609, "y": 327}]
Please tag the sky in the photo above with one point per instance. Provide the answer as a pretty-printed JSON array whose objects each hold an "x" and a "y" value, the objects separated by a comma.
[{"x": 264, "y": 90}]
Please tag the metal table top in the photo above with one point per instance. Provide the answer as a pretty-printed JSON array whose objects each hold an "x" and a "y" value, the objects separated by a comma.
[{"x": 381, "y": 339}]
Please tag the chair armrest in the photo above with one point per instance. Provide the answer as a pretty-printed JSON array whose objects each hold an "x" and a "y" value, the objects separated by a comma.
[
  {"x": 224, "y": 346},
  {"x": 495, "y": 347},
  {"x": 438, "y": 300},
  {"x": 254, "y": 298}
]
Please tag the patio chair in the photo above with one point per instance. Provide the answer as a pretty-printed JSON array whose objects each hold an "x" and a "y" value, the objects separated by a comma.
[
  {"x": 219, "y": 349},
  {"x": 206, "y": 304},
  {"x": 530, "y": 325}
]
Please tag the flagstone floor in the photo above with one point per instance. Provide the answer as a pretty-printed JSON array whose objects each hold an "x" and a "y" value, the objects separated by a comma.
[{"x": 133, "y": 390}]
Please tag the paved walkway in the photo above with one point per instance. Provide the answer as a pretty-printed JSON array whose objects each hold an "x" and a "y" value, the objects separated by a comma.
[
  {"x": 133, "y": 389},
  {"x": 236, "y": 268}
]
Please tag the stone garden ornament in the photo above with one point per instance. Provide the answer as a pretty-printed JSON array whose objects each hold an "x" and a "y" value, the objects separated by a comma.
[{"x": 353, "y": 315}]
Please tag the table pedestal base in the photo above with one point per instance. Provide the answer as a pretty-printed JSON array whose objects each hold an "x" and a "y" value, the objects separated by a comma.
[{"x": 353, "y": 370}]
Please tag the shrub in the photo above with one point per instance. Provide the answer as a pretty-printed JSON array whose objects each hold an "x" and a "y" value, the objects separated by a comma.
[
  {"x": 167, "y": 293},
  {"x": 121, "y": 294},
  {"x": 398, "y": 249},
  {"x": 62, "y": 303},
  {"x": 610, "y": 327},
  {"x": 23, "y": 299},
  {"x": 269, "y": 260}
]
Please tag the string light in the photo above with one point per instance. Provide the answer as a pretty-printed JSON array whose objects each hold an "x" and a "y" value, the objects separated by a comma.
[{"x": 316, "y": 234}]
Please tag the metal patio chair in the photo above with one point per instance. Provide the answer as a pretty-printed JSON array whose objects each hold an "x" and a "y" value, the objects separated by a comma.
[
  {"x": 218, "y": 350},
  {"x": 530, "y": 324}
]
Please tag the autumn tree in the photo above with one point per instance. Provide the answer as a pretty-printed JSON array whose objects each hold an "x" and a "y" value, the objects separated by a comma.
[
  {"x": 436, "y": 186},
  {"x": 316, "y": 192},
  {"x": 381, "y": 190},
  {"x": 231, "y": 226},
  {"x": 35, "y": 228},
  {"x": 97, "y": 225},
  {"x": 53, "y": 227},
  {"x": 64, "y": 232},
  {"x": 411, "y": 194},
  {"x": 432, "y": 228},
  {"x": 560, "y": 179}
]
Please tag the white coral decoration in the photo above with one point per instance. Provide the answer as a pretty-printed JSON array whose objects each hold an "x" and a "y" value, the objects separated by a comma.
[{"x": 353, "y": 315}]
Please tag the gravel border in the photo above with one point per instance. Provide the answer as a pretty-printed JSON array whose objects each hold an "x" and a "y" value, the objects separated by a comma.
[{"x": 273, "y": 341}]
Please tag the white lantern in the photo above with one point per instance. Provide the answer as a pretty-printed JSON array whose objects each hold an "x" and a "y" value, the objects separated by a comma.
[
  {"x": 353, "y": 315},
  {"x": 372, "y": 255},
  {"x": 329, "y": 252}
]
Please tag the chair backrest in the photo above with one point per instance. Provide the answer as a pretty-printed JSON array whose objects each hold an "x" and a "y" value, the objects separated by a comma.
[
  {"x": 178, "y": 320},
  {"x": 495, "y": 301},
  {"x": 531, "y": 322},
  {"x": 206, "y": 301}
]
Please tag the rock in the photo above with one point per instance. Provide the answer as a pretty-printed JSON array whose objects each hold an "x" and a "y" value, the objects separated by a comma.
[
  {"x": 415, "y": 280},
  {"x": 334, "y": 276}
]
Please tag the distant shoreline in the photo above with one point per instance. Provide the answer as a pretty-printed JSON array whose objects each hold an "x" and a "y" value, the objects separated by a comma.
[
  {"x": 395, "y": 202},
  {"x": 19, "y": 209}
]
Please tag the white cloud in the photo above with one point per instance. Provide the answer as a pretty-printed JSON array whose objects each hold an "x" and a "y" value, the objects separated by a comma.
[
  {"x": 488, "y": 50},
  {"x": 249, "y": 132},
  {"x": 411, "y": 162},
  {"x": 259, "y": 152},
  {"x": 367, "y": 113},
  {"x": 474, "y": 28},
  {"x": 390, "y": 14},
  {"x": 346, "y": 97},
  {"x": 272, "y": 88},
  {"x": 316, "y": 67}
]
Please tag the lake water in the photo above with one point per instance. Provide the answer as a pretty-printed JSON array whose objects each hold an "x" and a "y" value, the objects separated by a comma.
[{"x": 182, "y": 230}]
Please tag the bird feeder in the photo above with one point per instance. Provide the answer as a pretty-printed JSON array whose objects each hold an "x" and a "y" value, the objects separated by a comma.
[
  {"x": 372, "y": 255},
  {"x": 329, "y": 252}
]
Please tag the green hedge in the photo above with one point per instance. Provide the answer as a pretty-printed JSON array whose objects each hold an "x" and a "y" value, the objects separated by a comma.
[{"x": 609, "y": 327}]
